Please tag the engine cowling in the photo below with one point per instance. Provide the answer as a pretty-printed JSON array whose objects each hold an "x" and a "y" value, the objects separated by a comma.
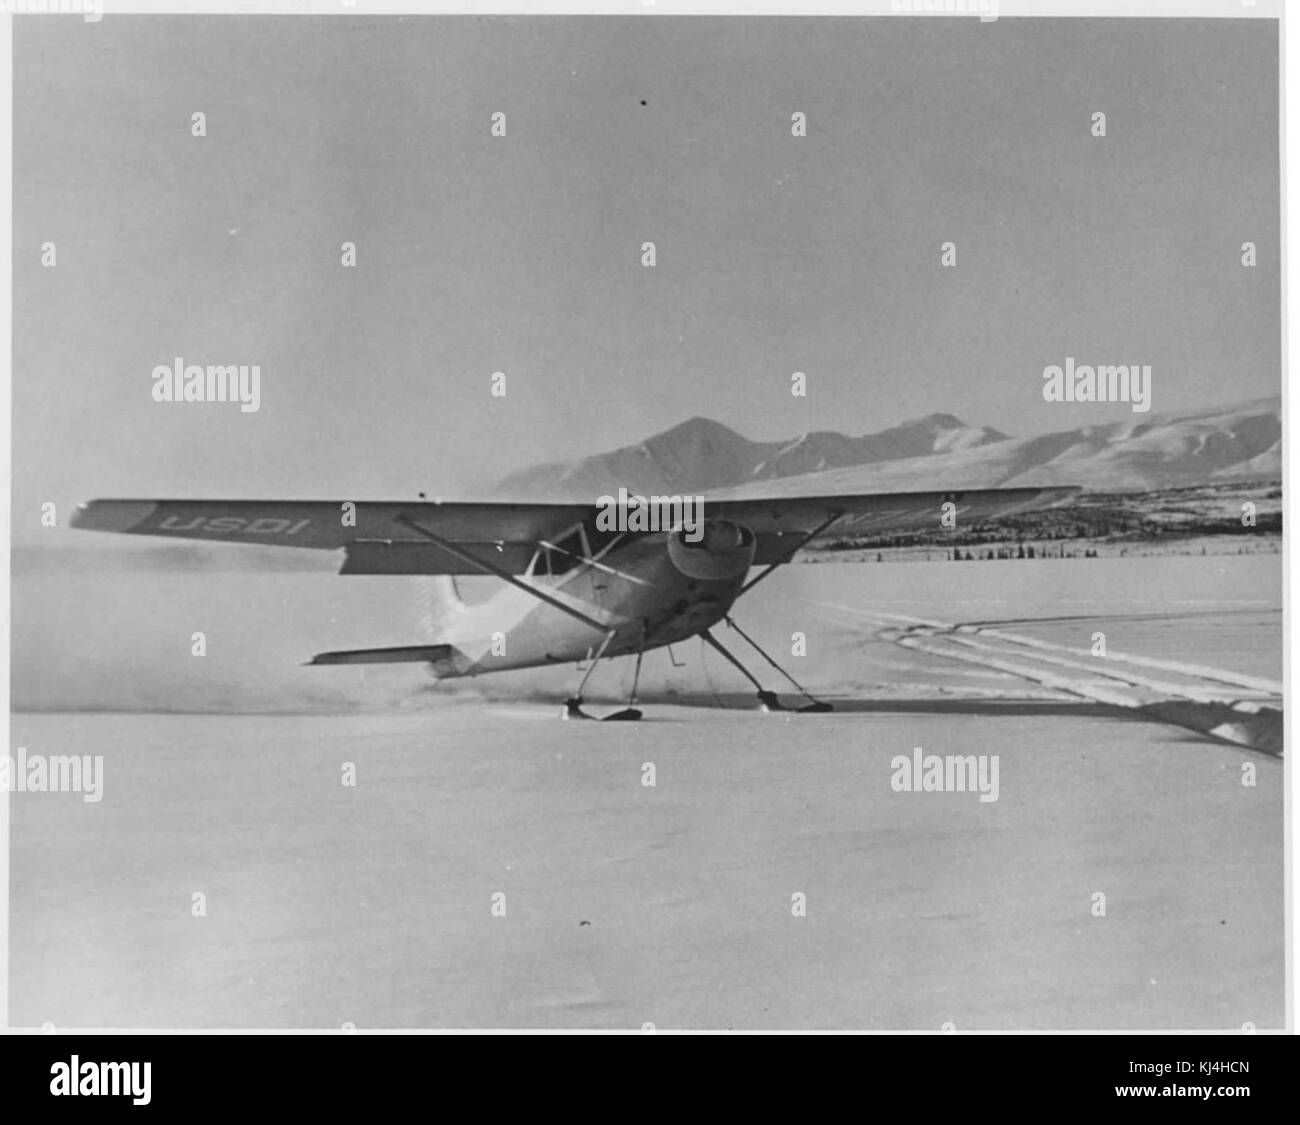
[{"x": 724, "y": 550}]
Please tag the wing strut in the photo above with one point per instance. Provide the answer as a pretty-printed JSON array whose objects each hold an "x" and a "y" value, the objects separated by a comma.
[
  {"x": 595, "y": 562},
  {"x": 464, "y": 556},
  {"x": 816, "y": 531}
]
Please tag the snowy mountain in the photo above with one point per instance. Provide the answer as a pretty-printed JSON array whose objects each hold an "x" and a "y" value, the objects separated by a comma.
[{"x": 937, "y": 451}]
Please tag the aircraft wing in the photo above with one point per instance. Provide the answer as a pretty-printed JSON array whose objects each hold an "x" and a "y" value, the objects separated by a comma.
[
  {"x": 376, "y": 541},
  {"x": 780, "y": 522},
  {"x": 381, "y": 537}
]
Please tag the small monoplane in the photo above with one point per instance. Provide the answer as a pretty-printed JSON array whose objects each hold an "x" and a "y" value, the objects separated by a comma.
[{"x": 573, "y": 589}]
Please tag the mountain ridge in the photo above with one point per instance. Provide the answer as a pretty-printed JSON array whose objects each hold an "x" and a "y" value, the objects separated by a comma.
[{"x": 937, "y": 450}]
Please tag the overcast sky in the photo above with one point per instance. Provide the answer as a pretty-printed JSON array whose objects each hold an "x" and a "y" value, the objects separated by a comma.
[{"x": 523, "y": 254}]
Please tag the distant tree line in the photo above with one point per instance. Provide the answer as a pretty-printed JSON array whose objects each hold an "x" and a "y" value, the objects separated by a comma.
[{"x": 1164, "y": 515}]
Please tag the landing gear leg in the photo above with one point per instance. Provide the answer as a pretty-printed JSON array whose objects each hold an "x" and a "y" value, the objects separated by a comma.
[
  {"x": 573, "y": 705},
  {"x": 630, "y": 713},
  {"x": 767, "y": 699},
  {"x": 813, "y": 705}
]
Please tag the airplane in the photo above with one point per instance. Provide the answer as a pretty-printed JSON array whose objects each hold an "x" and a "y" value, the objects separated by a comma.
[{"x": 573, "y": 590}]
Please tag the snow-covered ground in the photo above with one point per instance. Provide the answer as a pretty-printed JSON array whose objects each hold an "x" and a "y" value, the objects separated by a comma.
[{"x": 626, "y": 903}]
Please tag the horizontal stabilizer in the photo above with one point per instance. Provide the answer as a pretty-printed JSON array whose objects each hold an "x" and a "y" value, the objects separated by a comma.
[{"x": 409, "y": 654}]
